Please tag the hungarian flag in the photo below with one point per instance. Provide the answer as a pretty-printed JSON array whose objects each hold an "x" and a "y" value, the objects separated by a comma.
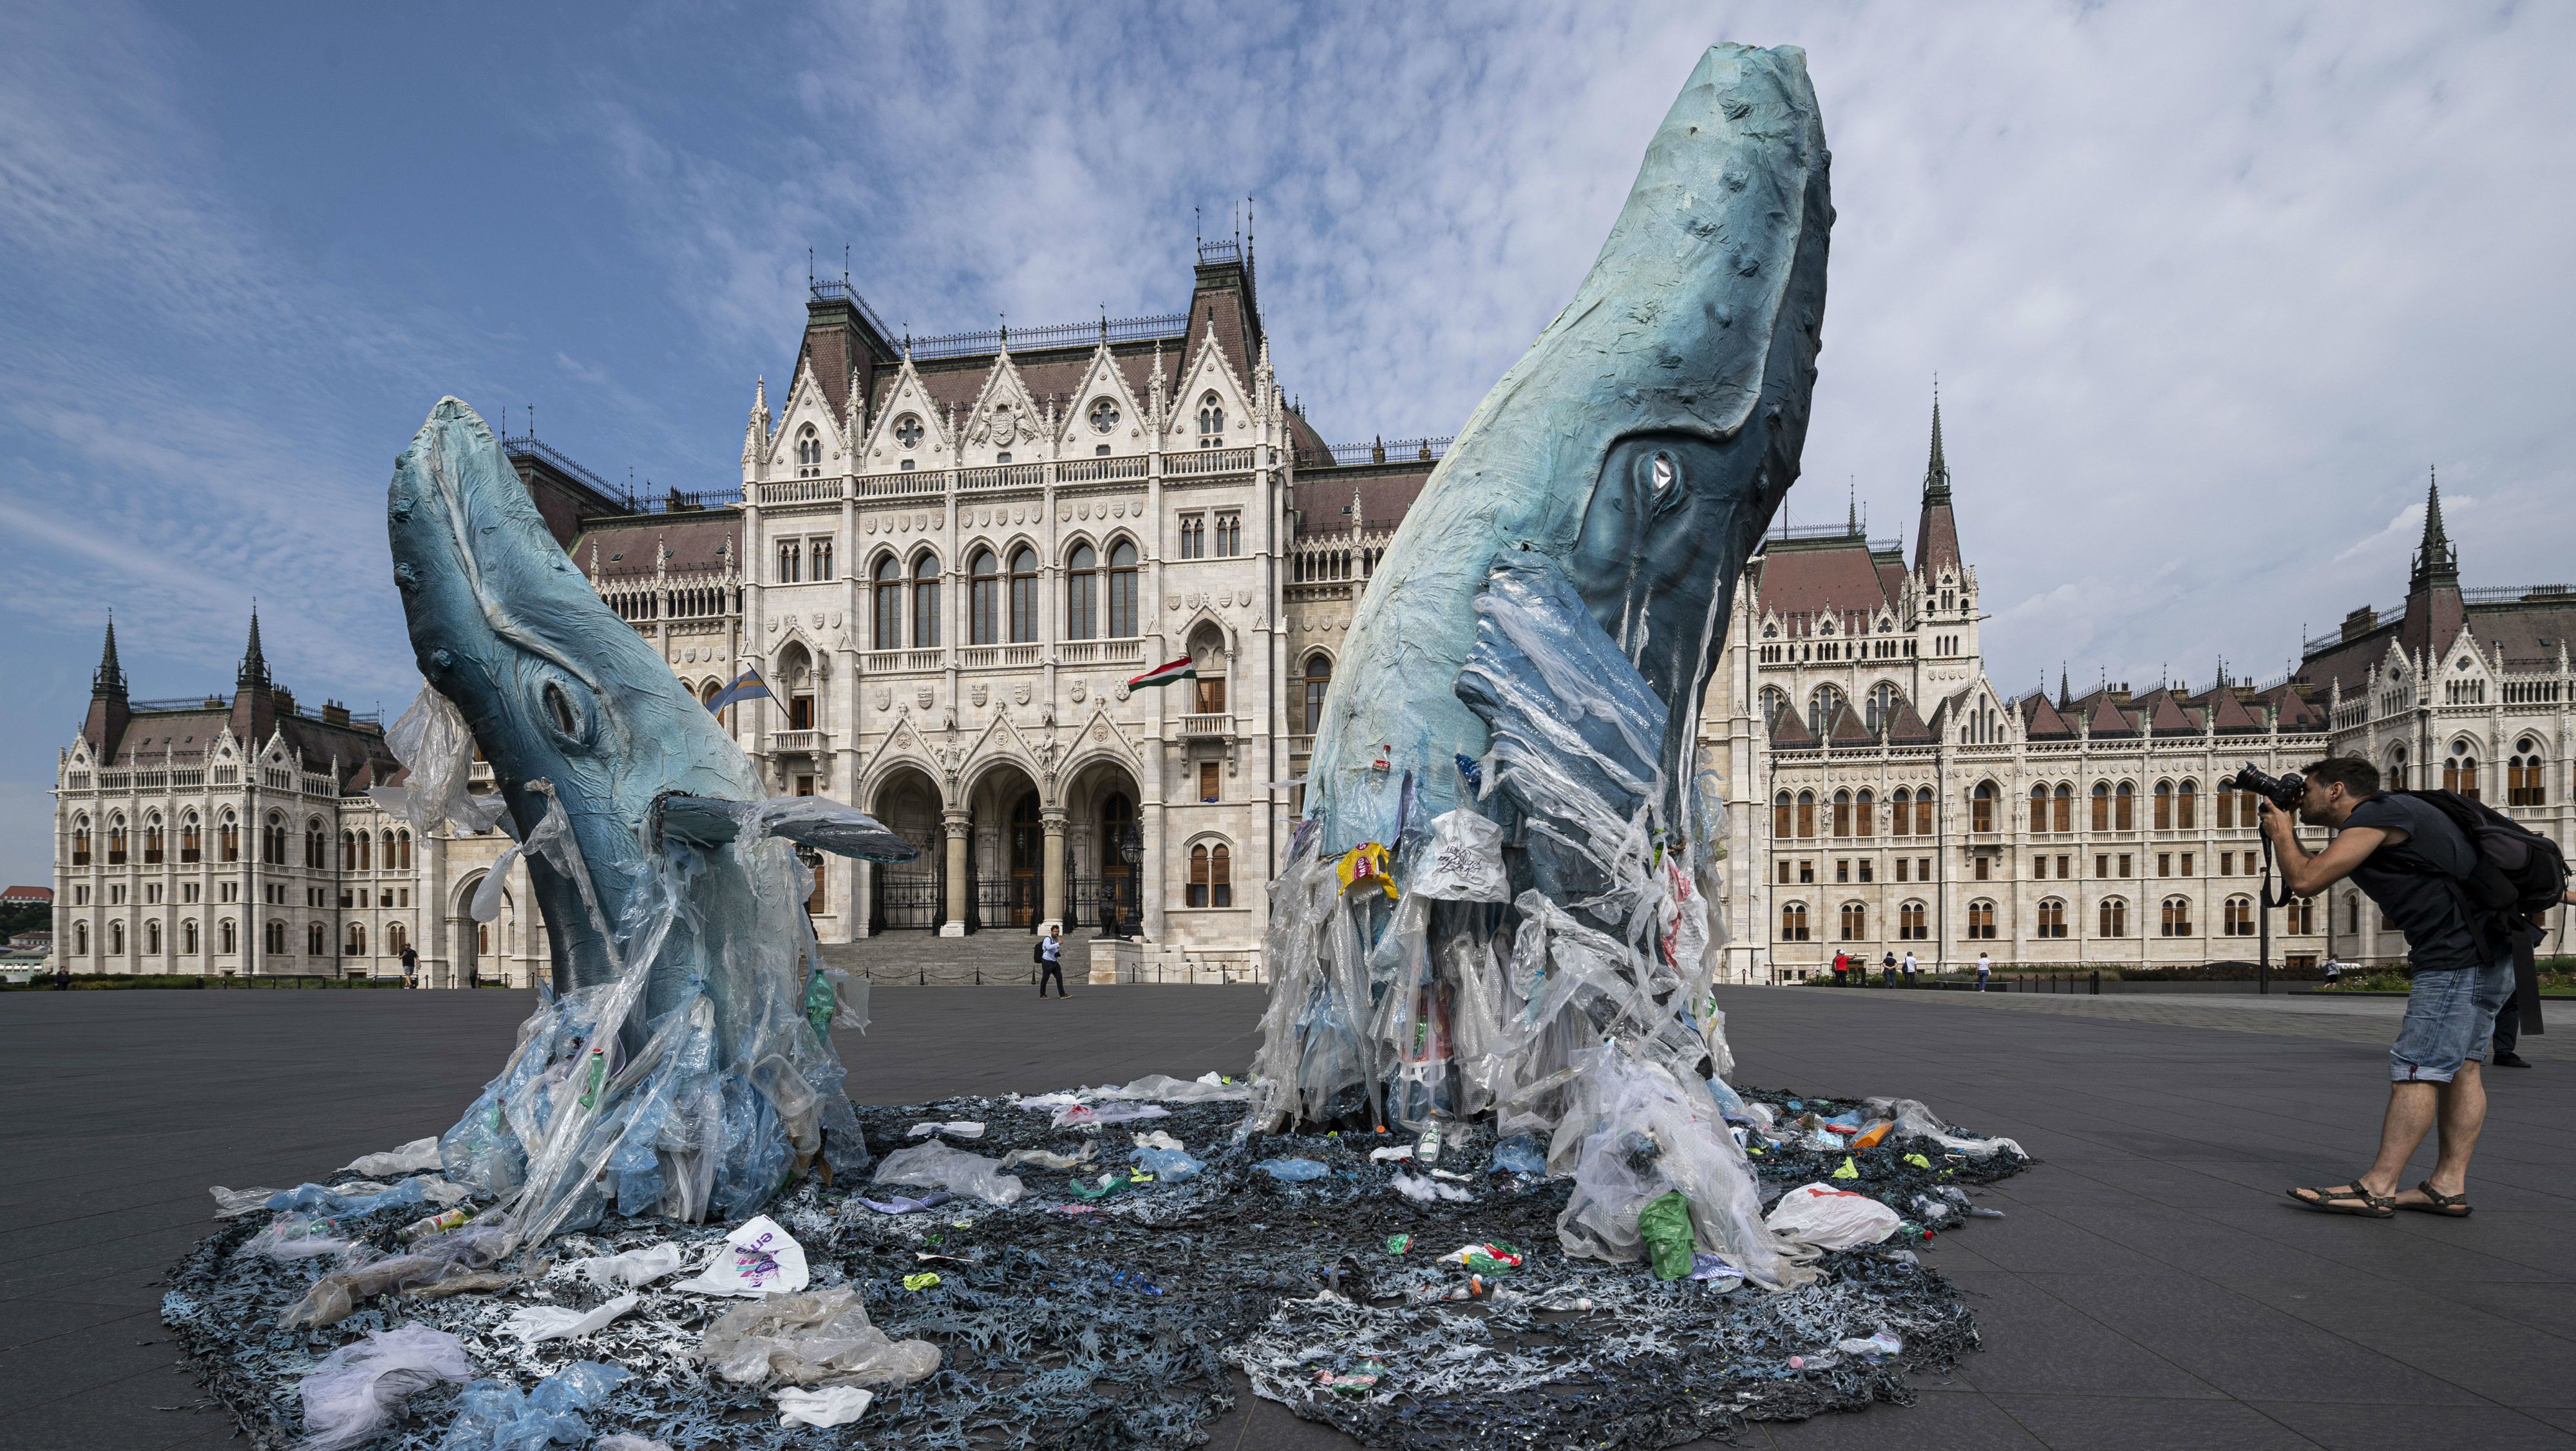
[{"x": 1165, "y": 674}]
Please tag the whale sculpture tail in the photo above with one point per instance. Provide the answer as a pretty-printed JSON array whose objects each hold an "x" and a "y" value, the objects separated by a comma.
[{"x": 1503, "y": 898}]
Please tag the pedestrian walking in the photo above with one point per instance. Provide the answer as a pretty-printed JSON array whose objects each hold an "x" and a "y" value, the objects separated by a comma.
[
  {"x": 411, "y": 966},
  {"x": 1842, "y": 969},
  {"x": 1985, "y": 969},
  {"x": 2407, "y": 856},
  {"x": 1909, "y": 967},
  {"x": 1050, "y": 960},
  {"x": 1887, "y": 970}
]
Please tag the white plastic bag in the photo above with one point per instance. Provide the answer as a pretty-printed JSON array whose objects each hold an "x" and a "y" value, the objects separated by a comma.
[
  {"x": 758, "y": 1259},
  {"x": 829, "y": 1406},
  {"x": 420, "y": 1156},
  {"x": 534, "y": 1323},
  {"x": 955, "y": 1129},
  {"x": 821, "y": 1338},
  {"x": 1831, "y": 1218},
  {"x": 1914, "y": 1120},
  {"x": 634, "y": 1269},
  {"x": 355, "y": 1389},
  {"x": 1464, "y": 861},
  {"x": 936, "y": 1165}
]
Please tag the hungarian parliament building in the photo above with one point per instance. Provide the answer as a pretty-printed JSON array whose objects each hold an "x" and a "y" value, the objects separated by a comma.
[{"x": 948, "y": 556}]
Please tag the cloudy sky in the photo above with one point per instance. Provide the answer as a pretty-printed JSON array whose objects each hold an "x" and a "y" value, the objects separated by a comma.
[{"x": 2208, "y": 289}]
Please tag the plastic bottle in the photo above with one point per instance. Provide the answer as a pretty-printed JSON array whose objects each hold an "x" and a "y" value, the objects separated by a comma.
[
  {"x": 1427, "y": 1151},
  {"x": 598, "y": 1075},
  {"x": 440, "y": 1223}
]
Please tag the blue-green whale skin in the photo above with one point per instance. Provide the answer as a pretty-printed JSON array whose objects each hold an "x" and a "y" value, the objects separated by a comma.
[{"x": 1641, "y": 444}]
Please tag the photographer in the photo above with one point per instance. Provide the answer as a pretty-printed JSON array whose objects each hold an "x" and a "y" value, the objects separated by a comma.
[{"x": 2410, "y": 859}]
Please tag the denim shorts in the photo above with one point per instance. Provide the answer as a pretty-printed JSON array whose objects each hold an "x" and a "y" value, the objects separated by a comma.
[{"x": 2450, "y": 1016}]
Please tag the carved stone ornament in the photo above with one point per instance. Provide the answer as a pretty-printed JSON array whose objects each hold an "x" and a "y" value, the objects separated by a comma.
[
  {"x": 1122, "y": 692},
  {"x": 1079, "y": 691},
  {"x": 773, "y": 627},
  {"x": 977, "y": 694},
  {"x": 816, "y": 620},
  {"x": 921, "y": 697},
  {"x": 1171, "y": 602},
  {"x": 885, "y": 697},
  {"x": 1020, "y": 693},
  {"x": 870, "y": 526}
]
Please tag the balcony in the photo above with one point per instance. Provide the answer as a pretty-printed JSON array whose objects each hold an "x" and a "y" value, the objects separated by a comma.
[
  {"x": 1101, "y": 470},
  {"x": 903, "y": 485},
  {"x": 1002, "y": 476},
  {"x": 998, "y": 657},
  {"x": 799, "y": 743},
  {"x": 801, "y": 491},
  {"x": 1101, "y": 652},
  {"x": 1208, "y": 461},
  {"x": 896, "y": 662},
  {"x": 1217, "y": 726}
]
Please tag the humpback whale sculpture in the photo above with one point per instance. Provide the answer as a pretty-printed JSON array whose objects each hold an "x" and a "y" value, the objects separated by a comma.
[
  {"x": 1510, "y": 738},
  {"x": 680, "y": 1061}
]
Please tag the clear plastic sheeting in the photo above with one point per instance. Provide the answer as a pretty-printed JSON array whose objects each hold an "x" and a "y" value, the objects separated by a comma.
[
  {"x": 491, "y": 1415},
  {"x": 1916, "y": 1121},
  {"x": 936, "y": 1165},
  {"x": 357, "y": 1388},
  {"x": 823, "y": 1337},
  {"x": 412, "y": 1158},
  {"x": 437, "y": 752}
]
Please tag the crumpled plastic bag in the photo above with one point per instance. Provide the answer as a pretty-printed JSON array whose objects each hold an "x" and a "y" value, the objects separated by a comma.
[
  {"x": 629, "y": 1441},
  {"x": 1426, "y": 1191},
  {"x": 634, "y": 1269},
  {"x": 534, "y": 1323},
  {"x": 313, "y": 1199},
  {"x": 957, "y": 1128},
  {"x": 432, "y": 1262},
  {"x": 935, "y": 1165},
  {"x": 1665, "y": 1227},
  {"x": 1048, "y": 1159},
  {"x": 417, "y": 1157},
  {"x": 759, "y": 1258},
  {"x": 830, "y": 1406},
  {"x": 1831, "y": 1218},
  {"x": 1914, "y": 1120},
  {"x": 298, "y": 1237},
  {"x": 822, "y": 1337},
  {"x": 433, "y": 742},
  {"x": 1519, "y": 1155},
  {"x": 1084, "y": 1115},
  {"x": 1292, "y": 1171},
  {"x": 234, "y": 1203},
  {"x": 355, "y": 1389},
  {"x": 1206, "y": 1088},
  {"x": 1463, "y": 862},
  {"x": 1173, "y": 1164},
  {"x": 491, "y": 1415}
]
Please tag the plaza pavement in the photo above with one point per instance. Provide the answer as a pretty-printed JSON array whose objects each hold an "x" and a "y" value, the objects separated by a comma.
[{"x": 2150, "y": 1287}]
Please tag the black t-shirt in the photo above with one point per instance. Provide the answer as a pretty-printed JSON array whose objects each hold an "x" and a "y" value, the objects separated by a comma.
[{"x": 2417, "y": 882}]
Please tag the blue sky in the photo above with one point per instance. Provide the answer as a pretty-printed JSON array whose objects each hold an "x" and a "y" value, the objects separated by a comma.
[{"x": 2207, "y": 289}]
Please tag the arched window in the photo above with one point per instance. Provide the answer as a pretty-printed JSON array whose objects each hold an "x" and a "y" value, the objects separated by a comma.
[
  {"x": 2062, "y": 812},
  {"x": 1806, "y": 813},
  {"x": 152, "y": 842},
  {"x": 188, "y": 936},
  {"x": 1981, "y": 919},
  {"x": 2101, "y": 806},
  {"x": 2039, "y": 808},
  {"x": 1793, "y": 922},
  {"x": 2299, "y": 918},
  {"x": 1922, "y": 811},
  {"x": 809, "y": 452},
  {"x": 886, "y": 593},
  {"x": 2125, "y": 808},
  {"x": 1319, "y": 683},
  {"x": 365, "y": 855},
  {"x": 1855, "y": 922},
  {"x": 925, "y": 602},
  {"x": 983, "y": 598},
  {"x": 116, "y": 841},
  {"x": 2114, "y": 918},
  {"x": 1821, "y": 709},
  {"x": 2396, "y": 775},
  {"x": 348, "y": 851},
  {"x": 80, "y": 841},
  {"x": 1901, "y": 819},
  {"x": 317, "y": 845},
  {"x": 80, "y": 939},
  {"x": 272, "y": 841},
  {"x": 1211, "y": 421},
  {"x": 402, "y": 843},
  {"x": 397, "y": 937},
  {"x": 2237, "y": 917},
  {"x": 228, "y": 938},
  {"x": 192, "y": 842},
  {"x": 273, "y": 940},
  {"x": 2524, "y": 781},
  {"x": 2460, "y": 771},
  {"x": 1981, "y": 808},
  {"x": 1881, "y": 712},
  {"x": 1024, "y": 594},
  {"x": 1864, "y": 812},
  {"x": 228, "y": 838},
  {"x": 1123, "y": 621},
  {"x": 1774, "y": 701},
  {"x": 2186, "y": 807},
  {"x": 357, "y": 944},
  {"x": 2052, "y": 917},
  {"x": 2164, "y": 806},
  {"x": 1781, "y": 823},
  {"x": 315, "y": 943},
  {"x": 1842, "y": 813},
  {"x": 1913, "y": 923},
  {"x": 1211, "y": 876},
  {"x": 116, "y": 937},
  {"x": 2177, "y": 917},
  {"x": 1081, "y": 592}
]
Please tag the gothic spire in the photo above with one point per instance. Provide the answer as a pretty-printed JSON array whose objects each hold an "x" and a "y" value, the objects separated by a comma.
[
  {"x": 1936, "y": 472},
  {"x": 1936, "y": 535},
  {"x": 2437, "y": 560},
  {"x": 109, "y": 682},
  {"x": 254, "y": 663}
]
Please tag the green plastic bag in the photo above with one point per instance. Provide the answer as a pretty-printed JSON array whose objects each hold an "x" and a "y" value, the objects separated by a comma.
[
  {"x": 1665, "y": 1226},
  {"x": 819, "y": 999}
]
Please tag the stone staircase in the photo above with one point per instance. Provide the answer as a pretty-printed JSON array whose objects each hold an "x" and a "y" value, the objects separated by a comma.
[{"x": 996, "y": 957}]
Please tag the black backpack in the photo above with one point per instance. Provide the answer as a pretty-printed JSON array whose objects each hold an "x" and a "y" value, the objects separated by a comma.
[{"x": 2518, "y": 871}]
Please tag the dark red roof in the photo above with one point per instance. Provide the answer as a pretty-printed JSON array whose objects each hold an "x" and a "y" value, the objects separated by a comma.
[
  {"x": 700, "y": 541},
  {"x": 1837, "y": 578}
]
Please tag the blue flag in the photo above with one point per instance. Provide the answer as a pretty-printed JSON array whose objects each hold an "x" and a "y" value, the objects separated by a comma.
[{"x": 744, "y": 687}]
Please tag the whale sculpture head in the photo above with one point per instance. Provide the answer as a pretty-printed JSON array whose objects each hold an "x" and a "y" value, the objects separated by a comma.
[{"x": 1640, "y": 446}]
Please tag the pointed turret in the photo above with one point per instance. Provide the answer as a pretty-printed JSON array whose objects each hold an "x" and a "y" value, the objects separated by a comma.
[
  {"x": 109, "y": 682},
  {"x": 108, "y": 712},
  {"x": 254, "y": 662},
  {"x": 2437, "y": 560},
  {"x": 1936, "y": 538},
  {"x": 255, "y": 695}
]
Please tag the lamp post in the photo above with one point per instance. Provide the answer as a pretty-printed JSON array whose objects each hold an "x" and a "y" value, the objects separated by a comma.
[{"x": 1131, "y": 850}]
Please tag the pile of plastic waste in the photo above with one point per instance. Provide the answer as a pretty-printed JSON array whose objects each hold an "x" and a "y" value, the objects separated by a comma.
[{"x": 1089, "y": 1268}]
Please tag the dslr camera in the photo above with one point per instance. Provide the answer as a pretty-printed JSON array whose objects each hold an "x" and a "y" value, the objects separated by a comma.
[{"x": 2282, "y": 791}]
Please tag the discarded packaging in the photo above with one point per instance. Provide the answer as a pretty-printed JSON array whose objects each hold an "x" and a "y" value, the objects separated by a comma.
[
  {"x": 935, "y": 1165},
  {"x": 1830, "y": 1218},
  {"x": 420, "y": 1156},
  {"x": 821, "y": 1337},
  {"x": 534, "y": 1323},
  {"x": 1664, "y": 1225},
  {"x": 829, "y": 1406},
  {"x": 961, "y": 1129},
  {"x": 757, "y": 1259},
  {"x": 634, "y": 1269},
  {"x": 1292, "y": 1171},
  {"x": 355, "y": 1389},
  {"x": 1424, "y": 1191},
  {"x": 491, "y": 1415},
  {"x": 905, "y": 1206}
]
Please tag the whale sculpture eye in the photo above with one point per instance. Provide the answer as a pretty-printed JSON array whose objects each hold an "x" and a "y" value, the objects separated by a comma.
[
  {"x": 564, "y": 712},
  {"x": 1665, "y": 474}
]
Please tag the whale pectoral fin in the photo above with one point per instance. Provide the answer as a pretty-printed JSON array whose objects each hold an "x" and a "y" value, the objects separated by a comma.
[
  {"x": 828, "y": 825},
  {"x": 702, "y": 820}
]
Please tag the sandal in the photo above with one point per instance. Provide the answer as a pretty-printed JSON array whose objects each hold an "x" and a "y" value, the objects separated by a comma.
[
  {"x": 2347, "y": 1199},
  {"x": 2449, "y": 1206}
]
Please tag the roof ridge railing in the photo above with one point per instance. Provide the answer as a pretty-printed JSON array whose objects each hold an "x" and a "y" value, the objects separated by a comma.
[
  {"x": 528, "y": 443},
  {"x": 209, "y": 700},
  {"x": 839, "y": 290},
  {"x": 2518, "y": 593},
  {"x": 1389, "y": 451},
  {"x": 1161, "y": 327}
]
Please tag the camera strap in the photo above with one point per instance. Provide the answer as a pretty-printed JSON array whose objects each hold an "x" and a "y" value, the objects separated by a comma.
[{"x": 2264, "y": 892}]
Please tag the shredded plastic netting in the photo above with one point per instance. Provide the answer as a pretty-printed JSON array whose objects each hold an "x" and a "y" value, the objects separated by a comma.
[{"x": 1109, "y": 1311}]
